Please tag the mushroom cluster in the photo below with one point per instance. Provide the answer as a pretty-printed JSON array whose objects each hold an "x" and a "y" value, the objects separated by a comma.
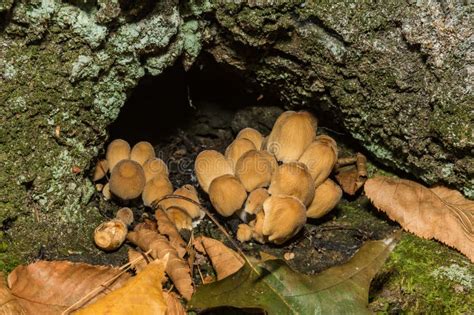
[{"x": 272, "y": 183}]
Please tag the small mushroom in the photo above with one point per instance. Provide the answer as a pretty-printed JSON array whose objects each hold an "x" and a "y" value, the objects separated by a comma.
[
  {"x": 293, "y": 179},
  {"x": 326, "y": 197},
  {"x": 125, "y": 215},
  {"x": 191, "y": 209},
  {"x": 117, "y": 151},
  {"x": 320, "y": 157},
  {"x": 155, "y": 189},
  {"x": 106, "y": 192},
  {"x": 253, "y": 135},
  {"x": 101, "y": 168},
  {"x": 253, "y": 204},
  {"x": 237, "y": 148},
  {"x": 244, "y": 233},
  {"x": 227, "y": 194},
  {"x": 154, "y": 167},
  {"x": 142, "y": 152},
  {"x": 180, "y": 218},
  {"x": 209, "y": 165},
  {"x": 127, "y": 180},
  {"x": 284, "y": 218},
  {"x": 257, "y": 228},
  {"x": 254, "y": 170},
  {"x": 291, "y": 134},
  {"x": 271, "y": 158}
]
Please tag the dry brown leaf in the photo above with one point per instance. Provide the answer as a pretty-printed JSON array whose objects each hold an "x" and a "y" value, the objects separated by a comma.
[
  {"x": 134, "y": 258},
  {"x": 174, "y": 306},
  {"x": 224, "y": 260},
  {"x": 142, "y": 294},
  {"x": 9, "y": 305},
  {"x": 440, "y": 213},
  {"x": 51, "y": 287},
  {"x": 167, "y": 228},
  {"x": 177, "y": 269},
  {"x": 352, "y": 178}
]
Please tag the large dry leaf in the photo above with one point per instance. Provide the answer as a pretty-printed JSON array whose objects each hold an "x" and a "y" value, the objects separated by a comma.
[
  {"x": 173, "y": 305},
  {"x": 48, "y": 287},
  {"x": 440, "y": 213},
  {"x": 9, "y": 304},
  {"x": 166, "y": 227},
  {"x": 142, "y": 294},
  {"x": 224, "y": 260},
  {"x": 274, "y": 287}
]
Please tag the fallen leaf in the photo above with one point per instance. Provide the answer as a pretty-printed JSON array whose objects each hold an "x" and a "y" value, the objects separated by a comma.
[
  {"x": 166, "y": 227},
  {"x": 9, "y": 305},
  {"x": 135, "y": 261},
  {"x": 352, "y": 178},
  {"x": 173, "y": 305},
  {"x": 224, "y": 260},
  {"x": 440, "y": 213},
  {"x": 141, "y": 294},
  {"x": 274, "y": 287},
  {"x": 46, "y": 287}
]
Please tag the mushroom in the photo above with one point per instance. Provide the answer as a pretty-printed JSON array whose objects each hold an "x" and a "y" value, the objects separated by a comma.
[
  {"x": 117, "y": 151},
  {"x": 180, "y": 218},
  {"x": 237, "y": 148},
  {"x": 110, "y": 235},
  {"x": 127, "y": 180},
  {"x": 101, "y": 168},
  {"x": 253, "y": 135},
  {"x": 257, "y": 228},
  {"x": 188, "y": 207},
  {"x": 154, "y": 167},
  {"x": 320, "y": 157},
  {"x": 254, "y": 170},
  {"x": 326, "y": 197},
  {"x": 106, "y": 192},
  {"x": 227, "y": 194},
  {"x": 155, "y": 189},
  {"x": 293, "y": 179},
  {"x": 142, "y": 152},
  {"x": 284, "y": 218},
  {"x": 244, "y": 233},
  {"x": 271, "y": 158},
  {"x": 253, "y": 204},
  {"x": 291, "y": 134},
  {"x": 125, "y": 215},
  {"x": 209, "y": 165}
]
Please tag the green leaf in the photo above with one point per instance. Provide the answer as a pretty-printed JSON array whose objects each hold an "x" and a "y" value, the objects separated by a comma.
[{"x": 274, "y": 287}]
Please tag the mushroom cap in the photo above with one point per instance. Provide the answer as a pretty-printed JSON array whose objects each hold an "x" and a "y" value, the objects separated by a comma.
[
  {"x": 254, "y": 202},
  {"x": 257, "y": 227},
  {"x": 101, "y": 168},
  {"x": 293, "y": 179},
  {"x": 254, "y": 169},
  {"x": 209, "y": 165},
  {"x": 127, "y": 180},
  {"x": 326, "y": 197},
  {"x": 227, "y": 194},
  {"x": 106, "y": 192},
  {"x": 154, "y": 167},
  {"x": 320, "y": 157},
  {"x": 117, "y": 151},
  {"x": 125, "y": 215},
  {"x": 244, "y": 233},
  {"x": 291, "y": 134},
  {"x": 186, "y": 191},
  {"x": 110, "y": 235},
  {"x": 237, "y": 148},
  {"x": 253, "y": 135},
  {"x": 142, "y": 152},
  {"x": 155, "y": 189},
  {"x": 284, "y": 218},
  {"x": 179, "y": 218}
]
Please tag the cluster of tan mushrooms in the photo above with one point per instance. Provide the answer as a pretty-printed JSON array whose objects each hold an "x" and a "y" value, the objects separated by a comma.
[
  {"x": 273, "y": 183},
  {"x": 136, "y": 172}
]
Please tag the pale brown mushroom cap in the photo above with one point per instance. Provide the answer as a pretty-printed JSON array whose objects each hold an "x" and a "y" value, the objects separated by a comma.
[
  {"x": 154, "y": 167},
  {"x": 117, "y": 151},
  {"x": 244, "y": 233},
  {"x": 320, "y": 157},
  {"x": 284, "y": 218},
  {"x": 253, "y": 135},
  {"x": 125, "y": 215},
  {"x": 227, "y": 194},
  {"x": 254, "y": 170},
  {"x": 209, "y": 165},
  {"x": 106, "y": 192},
  {"x": 187, "y": 191},
  {"x": 110, "y": 235},
  {"x": 142, "y": 152},
  {"x": 255, "y": 200},
  {"x": 293, "y": 179},
  {"x": 101, "y": 168},
  {"x": 127, "y": 180},
  {"x": 291, "y": 134},
  {"x": 257, "y": 228},
  {"x": 155, "y": 189},
  {"x": 238, "y": 148},
  {"x": 326, "y": 197},
  {"x": 180, "y": 218}
]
